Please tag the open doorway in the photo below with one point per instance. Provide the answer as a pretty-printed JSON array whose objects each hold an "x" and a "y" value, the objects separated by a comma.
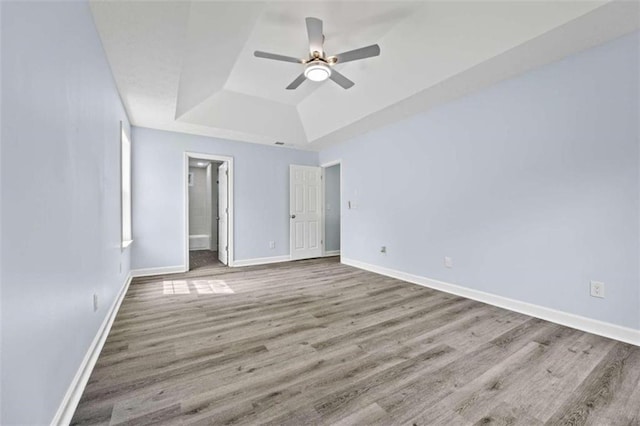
[
  {"x": 208, "y": 211},
  {"x": 332, "y": 178}
]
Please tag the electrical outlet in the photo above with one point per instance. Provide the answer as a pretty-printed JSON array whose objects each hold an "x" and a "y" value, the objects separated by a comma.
[
  {"x": 383, "y": 249},
  {"x": 272, "y": 244},
  {"x": 120, "y": 270},
  {"x": 95, "y": 302},
  {"x": 597, "y": 289},
  {"x": 448, "y": 262}
]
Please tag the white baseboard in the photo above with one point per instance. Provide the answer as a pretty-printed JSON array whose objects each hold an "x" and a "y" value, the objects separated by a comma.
[
  {"x": 330, "y": 253},
  {"x": 163, "y": 270},
  {"x": 261, "y": 261},
  {"x": 74, "y": 392},
  {"x": 601, "y": 328}
]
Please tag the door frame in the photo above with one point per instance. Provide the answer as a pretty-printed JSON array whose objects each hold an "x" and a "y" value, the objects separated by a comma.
[
  {"x": 230, "y": 234},
  {"x": 324, "y": 206}
]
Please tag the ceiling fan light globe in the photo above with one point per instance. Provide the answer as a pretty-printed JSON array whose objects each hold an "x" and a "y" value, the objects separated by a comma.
[{"x": 317, "y": 72}]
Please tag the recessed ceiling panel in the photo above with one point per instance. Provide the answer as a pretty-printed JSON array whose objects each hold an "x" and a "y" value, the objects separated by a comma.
[
  {"x": 446, "y": 39},
  {"x": 281, "y": 29},
  {"x": 189, "y": 66},
  {"x": 249, "y": 114},
  {"x": 215, "y": 37}
]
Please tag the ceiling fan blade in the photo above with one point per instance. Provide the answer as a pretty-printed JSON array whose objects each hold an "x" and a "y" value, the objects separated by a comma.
[
  {"x": 362, "y": 53},
  {"x": 316, "y": 39},
  {"x": 277, "y": 57},
  {"x": 297, "y": 82},
  {"x": 343, "y": 81}
]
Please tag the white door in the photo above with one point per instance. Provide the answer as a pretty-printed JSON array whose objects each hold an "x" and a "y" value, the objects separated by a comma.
[
  {"x": 223, "y": 212},
  {"x": 305, "y": 211}
]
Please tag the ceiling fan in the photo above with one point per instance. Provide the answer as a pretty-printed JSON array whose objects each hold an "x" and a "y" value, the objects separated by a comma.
[{"x": 319, "y": 67}]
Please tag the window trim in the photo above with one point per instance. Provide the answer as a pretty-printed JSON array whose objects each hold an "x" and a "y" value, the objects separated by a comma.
[{"x": 126, "y": 235}]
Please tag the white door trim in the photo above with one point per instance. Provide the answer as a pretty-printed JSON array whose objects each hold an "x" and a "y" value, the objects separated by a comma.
[
  {"x": 223, "y": 212},
  {"x": 326, "y": 252},
  {"x": 230, "y": 236},
  {"x": 331, "y": 163}
]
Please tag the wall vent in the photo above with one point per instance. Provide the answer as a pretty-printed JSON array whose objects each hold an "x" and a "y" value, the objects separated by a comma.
[{"x": 279, "y": 143}]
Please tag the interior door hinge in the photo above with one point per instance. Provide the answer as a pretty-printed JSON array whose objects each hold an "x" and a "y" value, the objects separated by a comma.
[
  {"x": 226, "y": 172},
  {"x": 226, "y": 248}
]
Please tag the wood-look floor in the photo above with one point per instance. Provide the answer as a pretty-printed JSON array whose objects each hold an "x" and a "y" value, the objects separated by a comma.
[
  {"x": 317, "y": 342},
  {"x": 200, "y": 259}
]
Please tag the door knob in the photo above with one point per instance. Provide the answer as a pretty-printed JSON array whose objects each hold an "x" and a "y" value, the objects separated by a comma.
[{"x": 293, "y": 216}]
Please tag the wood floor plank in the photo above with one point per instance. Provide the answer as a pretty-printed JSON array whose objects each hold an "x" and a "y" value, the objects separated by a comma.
[
  {"x": 600, "y": 390},
  {"x": 339, "y": 404},
  {"x": 372, "y": 414},
  {"x": 317, "y": 342},
  {"x": 550, "y": 384},
  {"x": 506, "y": 415},
  {"x": 318, "y": 374},
  {"x": 407, "y": 403},
  {"x": 472, "y": 399}
]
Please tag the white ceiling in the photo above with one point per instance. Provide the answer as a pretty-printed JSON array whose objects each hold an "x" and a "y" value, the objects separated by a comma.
[{"x": 189, "y": 66}]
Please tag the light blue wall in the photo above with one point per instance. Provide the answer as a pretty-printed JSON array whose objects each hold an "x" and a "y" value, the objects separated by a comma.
[
  {"x": 261, "y": 195},
  {"x": 332, "y": 207},
  {"x": 531, "y": 186},
  {"x": 1, "y": 235},
  {"x": 60, "y": 201}
]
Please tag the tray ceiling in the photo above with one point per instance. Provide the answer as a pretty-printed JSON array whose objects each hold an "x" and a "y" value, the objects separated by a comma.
[{"x": 189, "y": 66}]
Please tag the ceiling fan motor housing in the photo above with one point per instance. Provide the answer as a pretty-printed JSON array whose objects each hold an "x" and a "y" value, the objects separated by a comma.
[{"x": 317, "y": 70}]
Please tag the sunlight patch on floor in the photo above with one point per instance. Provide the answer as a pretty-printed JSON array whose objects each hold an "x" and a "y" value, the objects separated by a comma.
[
  {"x": 199, "y": 286},
  {"x": 212, "y": 287}
]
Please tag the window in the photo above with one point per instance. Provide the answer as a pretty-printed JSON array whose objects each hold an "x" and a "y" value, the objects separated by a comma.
[{"x": 125, "y": 190}]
